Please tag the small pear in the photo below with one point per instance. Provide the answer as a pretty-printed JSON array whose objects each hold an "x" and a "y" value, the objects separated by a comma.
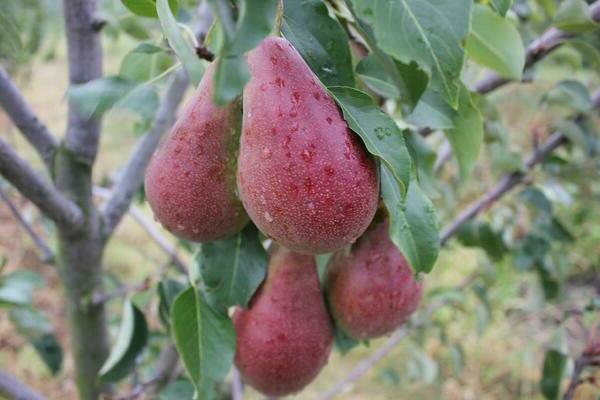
[
  {"x": 190, "y": 181},
  {"x": 371, "y": 289},
  {"x": 285, "y": 336}
]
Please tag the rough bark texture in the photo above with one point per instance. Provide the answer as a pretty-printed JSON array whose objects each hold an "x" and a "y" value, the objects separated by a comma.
[{"x": 80, "y": 253}]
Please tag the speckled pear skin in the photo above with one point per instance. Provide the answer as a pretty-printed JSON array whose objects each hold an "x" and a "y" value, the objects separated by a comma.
[
  {"x": 285, "y": 336},
  {"x": 191, "y": 179},
  {"x": 305, "y": 179},
  {"x": 371, "y": 289}
]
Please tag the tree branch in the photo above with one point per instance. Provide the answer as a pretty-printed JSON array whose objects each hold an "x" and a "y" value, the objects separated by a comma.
[
  {"x": 150, "y": 229},
  {"x": 46, "y": 255},
  {"x": 25, "y": 119},
  {"x": 506, "y": 183},
  {"x": 85, "y": 64},
  {"x": 14, "y": 389},
  {"x": 581, "y": 363},
  {"x": 537, "y": 50},
  {"x": 39, "y": 191},
  {"x": 133, "y": 173}
]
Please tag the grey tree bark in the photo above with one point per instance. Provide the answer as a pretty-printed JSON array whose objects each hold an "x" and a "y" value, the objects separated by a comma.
[{"x": 80, "y": 252}]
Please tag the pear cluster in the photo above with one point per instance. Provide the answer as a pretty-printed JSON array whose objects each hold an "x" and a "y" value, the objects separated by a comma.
[{"x": 284, "y": 158}]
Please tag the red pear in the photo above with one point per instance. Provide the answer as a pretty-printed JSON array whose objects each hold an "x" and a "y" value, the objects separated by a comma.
[
  {"x": 285, "y": 336},
  {"x": 371, "y": 289},
  {"x": 190, "y": 181},
  {"x": 305, "y": 179}
]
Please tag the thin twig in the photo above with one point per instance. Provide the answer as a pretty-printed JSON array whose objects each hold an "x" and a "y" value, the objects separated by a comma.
[
  {"x": 505, "y": 184},
  {"x": 14, "y": 389},
  {"x": 581, "y": 363},
  {"x": 39, "y": 191},
  {"x": 25, "y": 119},
  {"x": 165, "y": 370},
  {"x": 150, "y": 228},
  {"x": 46, "y": 255},
  {"x": 123, "y": 290},
  {"x": 237, "y": 389}
]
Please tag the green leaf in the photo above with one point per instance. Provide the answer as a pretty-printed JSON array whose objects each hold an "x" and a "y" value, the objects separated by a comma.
[
  {"x": 182, "y": 48},
  {"x": 428, "y": 32},
  {"x": 467, "y": 135},
  {"x": 432, "y": 112},
  {"x": 549, "y": 6},
  {"x": 254, "y": 23},
  {"x": 35, "y": 327},
  {"x": 550, "y": 285},
  {"x": 343, "y": 342},
  {"x": 147, "y": 8},
  {"x": 501, "y": 6},
  {"x": 574, "y": 16},
  {"x": 504, "y": 160},
  {"x": 16, "y": 288},
  {"x": 320, "y": 40},
  {"x": 495, "y": 42},
  {"x": 457, "y": 358},
  {"x": 413, "y": 222},
  {"x": 590, "y": 53},
  {"x": 537, "y": 200},
  {"x": 482, "y": 318},
  {"x": 374, "y": 76},
  {"x": 478, "y": 234},
  {"x": 181, "y": 389},
  {"x": 96, "y": 97},
  {"x": 205, "y": 340},
  {"x": 424, "y": 158},
  {"x": 144, "y": 62},
  {"x": 132, "y": 338},
  {"x": 132, "y": 26},
  {"x": 570, "y": 94},
  {"x": 168, "y": 290},
  {"x": 11, "y": 47},
  {"x": 553, "y": 370},
  {"x": 379, "y": 132},
  {"x": 233, "y": 268}
]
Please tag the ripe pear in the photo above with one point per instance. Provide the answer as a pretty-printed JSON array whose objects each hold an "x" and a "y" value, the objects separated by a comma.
[
  {"x": 371, "y": 289},
  {"x": 190, "y": 181},
  {"x": 285, "y": 336},
  {"x": 305, "y": 179}
]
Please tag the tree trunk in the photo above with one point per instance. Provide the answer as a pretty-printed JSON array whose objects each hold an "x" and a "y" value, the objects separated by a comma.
[
  {"x": 80, "y": 255},
  {"x": 80, "y": 265}
]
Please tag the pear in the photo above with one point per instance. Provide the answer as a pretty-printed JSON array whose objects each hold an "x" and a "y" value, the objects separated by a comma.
[
  {"x": 285, "y": 336},
  {"x": 371, "y": 290},
  {"x": 304, "y": 178},
  {"x": 191, "y": 179}
]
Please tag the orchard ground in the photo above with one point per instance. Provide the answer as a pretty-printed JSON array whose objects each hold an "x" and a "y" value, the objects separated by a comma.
[{"x": 503, "y": 355}]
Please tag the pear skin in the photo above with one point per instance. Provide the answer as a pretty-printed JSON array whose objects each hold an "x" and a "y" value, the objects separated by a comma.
[
  {"x": 305, "y": 179},
  {"x": 371, "y": 290},
  {"x": 191, "y": 179},
  {"x": 285, "y": 336}
]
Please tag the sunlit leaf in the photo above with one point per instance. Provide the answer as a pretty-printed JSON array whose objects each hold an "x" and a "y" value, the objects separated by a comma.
[{"x": 495, "y": 42}]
